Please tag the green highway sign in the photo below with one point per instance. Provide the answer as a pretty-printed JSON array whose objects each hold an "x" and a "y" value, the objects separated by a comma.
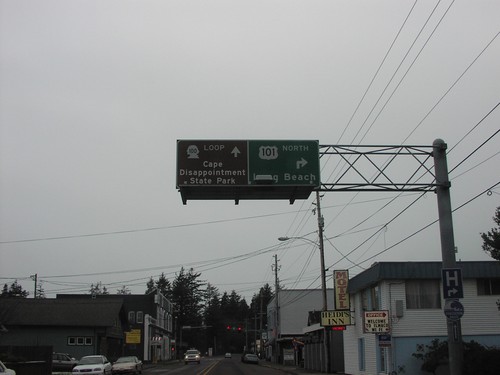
[{"x": 284, "y": 162}]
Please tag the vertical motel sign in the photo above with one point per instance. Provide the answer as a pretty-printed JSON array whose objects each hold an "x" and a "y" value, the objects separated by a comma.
[
  {"x": 341, "y": 278},
  {"x": 341, "y": 316}
]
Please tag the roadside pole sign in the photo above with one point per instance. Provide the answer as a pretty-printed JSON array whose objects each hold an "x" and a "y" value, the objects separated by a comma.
[
  {"x": 452, "y": 283},
  {"x": 384, "y": 340},
  {"x": 376, "y": 321},
  {"x": 453, "y": 309},
  {"x": 335, "y": 318}
]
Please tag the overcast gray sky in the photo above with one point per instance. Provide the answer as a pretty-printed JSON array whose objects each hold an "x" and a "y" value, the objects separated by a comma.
[{"x": 94, "y": 95}]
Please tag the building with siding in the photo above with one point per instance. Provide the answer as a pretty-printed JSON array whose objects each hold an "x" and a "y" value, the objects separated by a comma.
[
  {"x": 82, "y": 324},
  {"x": 150, "y": 323},
  {"x": 411, "y": 293},
  {"x": 77, "y": 327}
]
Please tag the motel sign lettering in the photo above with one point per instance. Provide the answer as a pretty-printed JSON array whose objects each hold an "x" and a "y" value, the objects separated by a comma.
[{"x": 341, "y": 278}]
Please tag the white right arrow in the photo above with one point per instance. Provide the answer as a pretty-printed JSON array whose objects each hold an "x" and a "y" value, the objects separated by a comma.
[{"x": 300, "y": 163}]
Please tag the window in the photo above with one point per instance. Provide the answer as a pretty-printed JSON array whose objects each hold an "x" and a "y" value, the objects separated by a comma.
[
  {"x": 361, "y": 354},
  {"x": 488, "y": 287},
  {"x": 131, "y": 317},
  {"x": 423, "y": 294},
  {"x": 140, "y": 317},
  {"x": 73, "y": 340},
  {"x": 370, "y": 298},
  {"x": 383, "y": 359}
]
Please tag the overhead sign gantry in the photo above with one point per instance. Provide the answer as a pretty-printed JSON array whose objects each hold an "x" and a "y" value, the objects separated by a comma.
[{"x": 247, "y": 169}]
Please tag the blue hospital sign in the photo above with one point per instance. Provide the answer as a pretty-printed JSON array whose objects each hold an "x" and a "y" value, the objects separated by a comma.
[{"x": 452, "y": 283}]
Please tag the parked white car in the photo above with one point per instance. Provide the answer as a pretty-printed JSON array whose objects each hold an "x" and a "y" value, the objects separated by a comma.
[
  {"x": 93, "y": 365},
  {"x": 5, "y": 371}
]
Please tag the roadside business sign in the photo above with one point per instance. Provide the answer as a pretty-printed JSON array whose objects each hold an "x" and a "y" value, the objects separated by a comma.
[
  {"x": 334, "y": 318},
  {"x": 376, "y": 321},
  {"x": 133, "y": 336},
  {"x": 341, "y": 278},
  {"x": 247, "y": 169}
]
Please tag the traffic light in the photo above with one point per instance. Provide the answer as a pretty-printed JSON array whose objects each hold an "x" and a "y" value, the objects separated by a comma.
[
  {"x": 240, "y": 329},
  {"x": 228, "y": 328}
]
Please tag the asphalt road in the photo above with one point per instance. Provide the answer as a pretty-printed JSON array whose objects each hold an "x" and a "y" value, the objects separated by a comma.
[{"x": 213, "y": 366}]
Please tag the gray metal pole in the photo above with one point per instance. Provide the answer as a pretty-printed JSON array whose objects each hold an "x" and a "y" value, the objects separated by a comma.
[
  {"x": 455, "y": 347},
  {"x": 277, "y": 323},
  {"x": 321, "y": 224}
]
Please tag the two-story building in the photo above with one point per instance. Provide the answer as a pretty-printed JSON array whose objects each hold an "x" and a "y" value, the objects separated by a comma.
[{"x": 411, "y": 294}]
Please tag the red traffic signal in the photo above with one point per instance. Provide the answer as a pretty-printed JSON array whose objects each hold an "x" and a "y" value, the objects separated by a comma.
[
  {"x": 240, "y": 329},
  {"x": 228, "y": 327}
]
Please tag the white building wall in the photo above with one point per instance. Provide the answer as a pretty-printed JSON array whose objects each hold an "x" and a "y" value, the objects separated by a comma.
[{"x": 481, "y": 317}]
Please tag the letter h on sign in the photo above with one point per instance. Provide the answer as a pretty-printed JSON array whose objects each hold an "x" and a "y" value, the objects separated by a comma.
[{"x": 452, "y": 283}]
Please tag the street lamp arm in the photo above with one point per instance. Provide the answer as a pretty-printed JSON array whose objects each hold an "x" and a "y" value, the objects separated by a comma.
[{"x": 283, "y": 239}]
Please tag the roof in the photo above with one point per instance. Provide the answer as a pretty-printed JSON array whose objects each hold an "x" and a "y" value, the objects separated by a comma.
[
  {"x": 419, "y": 270},
  {"x": 57, "y": 312}
]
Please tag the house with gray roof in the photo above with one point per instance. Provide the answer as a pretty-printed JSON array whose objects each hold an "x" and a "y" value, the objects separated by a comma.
[{"x": 78, "y": 327}]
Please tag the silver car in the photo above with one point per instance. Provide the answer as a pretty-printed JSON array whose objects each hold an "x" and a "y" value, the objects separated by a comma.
[
  {"x": 192, "y": 355},
  {"x": 127, "y": 365}
]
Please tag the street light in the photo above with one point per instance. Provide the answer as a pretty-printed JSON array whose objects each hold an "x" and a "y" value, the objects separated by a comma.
[{"x": 322, "y": 261}]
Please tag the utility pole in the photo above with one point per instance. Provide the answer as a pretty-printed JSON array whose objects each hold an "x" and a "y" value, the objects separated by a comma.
[
  {"x": 35, "y": 278},
  {"x": 321, "y": 224},
  {"x": 455, "y": 347},
  {"x": 276, "y": 301}
]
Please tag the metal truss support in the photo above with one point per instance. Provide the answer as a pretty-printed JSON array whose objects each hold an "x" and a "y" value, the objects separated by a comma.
[{"x": 374, "y": 168}]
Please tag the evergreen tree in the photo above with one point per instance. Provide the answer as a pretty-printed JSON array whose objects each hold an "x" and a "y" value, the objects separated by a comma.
[
  {"x": 15, "y": 290},
  {"x": 98, "y": 289},
  {"x": 124, "y": 290},
  {"x": 491, "y": 239},
  {"x": 150, "y": 286},
  {"x": 187, "y": 298},
  {"x": 259, "y": 304},
  {"x": 40, "y": 291}
]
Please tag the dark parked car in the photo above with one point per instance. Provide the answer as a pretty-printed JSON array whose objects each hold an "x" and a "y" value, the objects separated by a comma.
[
  {"x": 63, "y": 362},
  {"x": 127, "y": 365},
  {"x": 250, "y": 358}
]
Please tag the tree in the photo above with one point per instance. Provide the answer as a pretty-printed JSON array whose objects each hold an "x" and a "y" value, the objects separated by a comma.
[
  {"x": 162, "y": 285},
  {"x": 15, "y": 290},
  {"x": 478, "y": 359},
  {"x": 98, "y": 289},
  {"x": 491, "y": 239},
  {"x": 40, "y": 291},
  {"x": 259, "y": 303},
  {"x": 124, "y": 290},
  {"x": 187, "y": 298}
]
